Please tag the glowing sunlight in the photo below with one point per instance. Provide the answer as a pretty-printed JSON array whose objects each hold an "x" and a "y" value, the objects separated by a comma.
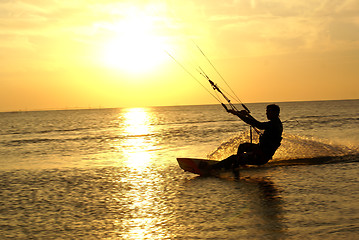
[{"x": 136, "y": 47}]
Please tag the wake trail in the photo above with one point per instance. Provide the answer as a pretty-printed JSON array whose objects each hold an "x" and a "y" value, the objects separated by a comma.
[{"x": 294, "y": 150}]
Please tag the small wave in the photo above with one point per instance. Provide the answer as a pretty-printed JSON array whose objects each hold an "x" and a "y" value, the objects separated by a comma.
[
  {"x": 99, "y": 138},
  {"x": 194, "y": 122},
  {"x": 315, "y": 160},
  {"x": 48, "y": 140},
  {"x": 35, "y": 140},
  {"x": 323, "y": 120},
  {"x": 24, "y": 132}
]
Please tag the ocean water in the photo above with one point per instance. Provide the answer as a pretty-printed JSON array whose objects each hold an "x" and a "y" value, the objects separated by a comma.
[{"x": 112, "y": 174}]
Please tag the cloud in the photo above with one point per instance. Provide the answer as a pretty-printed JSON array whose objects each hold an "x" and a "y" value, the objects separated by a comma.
[
  {"x": 272, "y": 27},
  {"x": 235, "y": 26}
]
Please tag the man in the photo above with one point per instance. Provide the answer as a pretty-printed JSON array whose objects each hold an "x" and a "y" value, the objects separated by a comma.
[{"x": 269, "y": 141}]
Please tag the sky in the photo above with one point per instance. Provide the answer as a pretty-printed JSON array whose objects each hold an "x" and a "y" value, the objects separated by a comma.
[{"x": 88, "y": 54}]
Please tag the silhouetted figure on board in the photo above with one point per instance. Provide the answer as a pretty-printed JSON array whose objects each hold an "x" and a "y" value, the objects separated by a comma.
[{"x": 269, "y": 140}]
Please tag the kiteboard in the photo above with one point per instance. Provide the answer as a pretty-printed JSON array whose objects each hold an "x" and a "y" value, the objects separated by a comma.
[
  {"x": 196, "y": 165},
  {"x": 202, "y": 167}
]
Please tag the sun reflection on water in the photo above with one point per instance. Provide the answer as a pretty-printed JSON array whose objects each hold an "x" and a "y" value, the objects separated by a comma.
[
  {"x": 137, "y": 122},
  {"x": 138, "y": 142},
  {"x": 140, "y": 179}
]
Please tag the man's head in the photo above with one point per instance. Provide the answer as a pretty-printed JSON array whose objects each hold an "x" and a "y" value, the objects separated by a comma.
[{"x": 273, "y": 111}]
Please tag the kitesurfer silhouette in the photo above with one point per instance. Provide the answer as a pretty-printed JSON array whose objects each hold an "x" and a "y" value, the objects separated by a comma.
[{"x": 269, "y": 141}]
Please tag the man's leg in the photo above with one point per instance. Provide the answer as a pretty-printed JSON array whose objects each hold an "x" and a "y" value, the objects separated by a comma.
[
  {"x": 234, "y": 159},
  {"x": 246, "y": 147},
  {"x": 226, "y": 163},
  {"x": 246, "y": 154}
]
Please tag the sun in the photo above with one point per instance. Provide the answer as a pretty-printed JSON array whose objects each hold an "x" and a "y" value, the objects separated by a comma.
[
  {"x": 133, "y": 53},
  {"x": 135, "y": 46}
]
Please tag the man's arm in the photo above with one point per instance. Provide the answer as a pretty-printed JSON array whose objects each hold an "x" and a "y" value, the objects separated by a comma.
[{"x": 247, "y": 118}]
